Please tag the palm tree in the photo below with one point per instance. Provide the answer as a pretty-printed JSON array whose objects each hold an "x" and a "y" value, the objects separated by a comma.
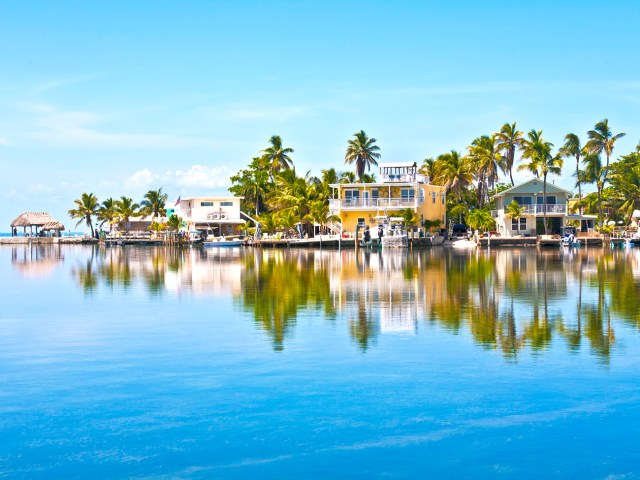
[
  {"x": 86, "y": 209},
  {"x": 573, "y": 148},
  {"x": 126, "y": 209},
  {"x": 153, "y": 204},
  {"x": 348, "y": 177},
  {"x": 514, "y": 210},
  {"x": 428, "y": 168},
  {"x": 602, "y": 140},
  {"x": 480, "y": 219},
  {"x": 624, "y": 176},
  {"x": 487, "y": 162},
  {"x": 107, "y": 212},
  {"x": 175, "y": 223},
  {"x": 157, "y": 226},
  {"x": 542, "y": 162},
  {"x": 368, "y": 178},
  {"x": 507, "y": 140},
  {"x": 276, "y": 157},
  {"x": 454, "y": 172},
  {"x": 362, "y": 151},
  {"x": 252, "y": 184},
  {"x": 594, "y": 173}
]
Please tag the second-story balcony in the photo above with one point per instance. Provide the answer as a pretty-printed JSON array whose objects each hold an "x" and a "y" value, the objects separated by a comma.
[
  {"x": 374, "y": 203},
  {"x": 551, "y": 209}
]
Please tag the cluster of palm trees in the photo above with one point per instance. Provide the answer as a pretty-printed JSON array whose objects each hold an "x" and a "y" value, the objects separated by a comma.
[
  {"x": 470, "y": 179},
  {"x": 119, "y": 212},
  {"x": 280, "y": 199}
]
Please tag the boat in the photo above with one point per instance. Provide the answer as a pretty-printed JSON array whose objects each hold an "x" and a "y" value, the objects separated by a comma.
[
  {"x": 464, "y": 243},
  {"x": 569, "y": 238},
  {"x": 221, "y": 242}
]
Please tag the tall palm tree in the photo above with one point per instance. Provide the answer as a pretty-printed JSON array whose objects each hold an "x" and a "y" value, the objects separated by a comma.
[
  {"x": 594, "y": 173},
  {"x": 508, "y": 139},
  {"x": 276, "y": 157},
  {"x": 573, "y": 148},
  {"x": 487, "y": 162},
  {"x": 252, "y": 184},
  {"x": 362, "y": 151},
  {"x": 427, "y": 168},
  {"x": 107, "y": 212},
  {"x": 348, "y": 177},
  {"x": 601, "y": 139},
  {"x": 453, "y": 171},
  {"x": 538, "y": 152},
  {"x": 126, "y": 209},
  {"x": 153, "y": 204},
  {"x": 86, "y": 209}
]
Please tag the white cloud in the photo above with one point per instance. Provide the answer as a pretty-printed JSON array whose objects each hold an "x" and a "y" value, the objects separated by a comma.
[
  {"x": 79, "y": 129},
  {"x": 36, "y": 188},
  {"x": 202, "y": 176},
  {"x": 140, "y": 179},
  {"x": 196, "y": 177},
  {"x": 241, "y": 113}
]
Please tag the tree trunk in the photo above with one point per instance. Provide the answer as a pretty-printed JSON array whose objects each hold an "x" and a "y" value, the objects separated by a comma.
[
  {"x": 579, "y": 188},
  {"x": 544, "y": 203}
]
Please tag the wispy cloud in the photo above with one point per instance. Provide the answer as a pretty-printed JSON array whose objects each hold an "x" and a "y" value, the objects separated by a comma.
[
  {"x": 65, "y": 82},
  {"x": 79, "y": 129},
  {"x": 250, "y": 112},
  {"x": 195, "y": 177}
]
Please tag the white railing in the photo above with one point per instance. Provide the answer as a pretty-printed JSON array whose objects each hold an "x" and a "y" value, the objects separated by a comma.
[
  {"x": 404, "y": 178},
  {"x": 335, "y": 204},
  {"x": 535, "y": 210}
]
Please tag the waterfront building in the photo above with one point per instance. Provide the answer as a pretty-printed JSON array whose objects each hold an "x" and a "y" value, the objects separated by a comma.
[
  {"x": 400, "y": 187},
  {"x": 529, "y": 195},
  {"x": 219, "y": 215}
]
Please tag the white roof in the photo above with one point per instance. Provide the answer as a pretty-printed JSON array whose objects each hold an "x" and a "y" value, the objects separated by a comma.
[
  {"x": 516, "y": 187},
  {"x": 398, "y": 164}
]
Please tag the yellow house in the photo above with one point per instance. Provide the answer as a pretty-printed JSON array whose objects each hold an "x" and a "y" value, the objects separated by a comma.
[{"x": 400, "y": 187}]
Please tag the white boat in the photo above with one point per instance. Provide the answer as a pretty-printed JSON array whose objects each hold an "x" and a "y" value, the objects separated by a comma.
[
  {"x": 569, "y": 238},
  {"x": 464, "y": 243},
  {"x": 222, "y": 242}
]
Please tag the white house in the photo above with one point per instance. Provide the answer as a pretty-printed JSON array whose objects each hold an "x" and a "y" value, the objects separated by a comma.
[
  {"x": 220, "y": 216},
  {"x": 529, "y": 195}
]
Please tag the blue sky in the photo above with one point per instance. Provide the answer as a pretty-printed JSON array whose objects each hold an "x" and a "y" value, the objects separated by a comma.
[{"x": 119, "y": 97}]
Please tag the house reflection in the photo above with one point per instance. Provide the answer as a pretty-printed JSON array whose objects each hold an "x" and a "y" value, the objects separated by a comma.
[{"x": 507, "y": 300}]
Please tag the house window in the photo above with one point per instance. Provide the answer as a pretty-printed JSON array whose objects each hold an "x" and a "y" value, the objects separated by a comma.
[
  {"x": 374, "y": 193},
  {"x": 443, "y": 198},
  {"x": 206, "y": 204},
  {"x": 351, "y": 197},
  {"x": 523, "y": 200},
  {"x": 361, "y": 221},
  {"x": 408, "y": 194},
  {"x": 349, "y": 194},
  {"x": 519, "y": 224},
  {"x": 434, "y": 197},
  {"x": 226, "y": 204},
  {"x": 551, "y": 200}
]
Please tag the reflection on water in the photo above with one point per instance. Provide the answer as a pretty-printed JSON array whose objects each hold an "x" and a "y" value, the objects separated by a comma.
[{"x": 505, "y": 300}]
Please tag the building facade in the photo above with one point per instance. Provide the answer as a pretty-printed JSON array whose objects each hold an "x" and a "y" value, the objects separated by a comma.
[
  {"x": 220, "y": 216},
  {"x": 530, "y": 196},
  {"x": 401, "y": 187}
]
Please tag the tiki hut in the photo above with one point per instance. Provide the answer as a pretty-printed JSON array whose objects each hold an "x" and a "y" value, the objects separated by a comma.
[{"x": 40, "y": 220}]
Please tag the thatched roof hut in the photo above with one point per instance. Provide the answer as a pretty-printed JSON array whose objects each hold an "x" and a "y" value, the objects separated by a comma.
[{"x": 41, "y": 220}]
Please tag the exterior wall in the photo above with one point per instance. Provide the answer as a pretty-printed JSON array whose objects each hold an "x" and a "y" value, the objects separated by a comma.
[
  {"x": 388, "y": 203},
  {"x": 556, "y": 208},
  {"x": 192, "y": 210}
]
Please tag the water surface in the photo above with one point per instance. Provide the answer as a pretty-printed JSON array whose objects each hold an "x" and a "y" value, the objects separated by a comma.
[{"x": 160, "y": 363}]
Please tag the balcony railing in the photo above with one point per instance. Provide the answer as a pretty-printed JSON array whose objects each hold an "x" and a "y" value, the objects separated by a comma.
[
  {"x": 374, "y": 203},
  {"x": 536, "y": 210}
]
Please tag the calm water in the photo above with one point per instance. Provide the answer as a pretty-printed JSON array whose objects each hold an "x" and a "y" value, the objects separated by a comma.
[{"x": 154, "y": 363}]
